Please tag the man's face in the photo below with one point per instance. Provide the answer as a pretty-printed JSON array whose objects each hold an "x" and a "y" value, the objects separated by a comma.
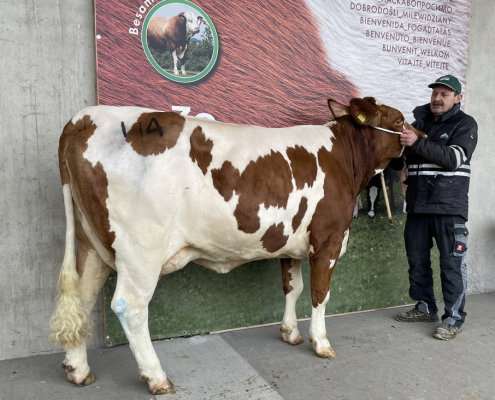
[{"x": 443, "y": 99}]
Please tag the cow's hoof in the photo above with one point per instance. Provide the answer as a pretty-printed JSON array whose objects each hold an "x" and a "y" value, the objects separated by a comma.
[
  {"x": 326, "y": 352},
  {"x": 167, "y": 387},
  {"x": 291, "y": 336},
  {"x": 90, "y": 378},
  {"x": 86, "y": 381},
  {"x": 292, "y": 342},
  {"x": 323, "y": 352}
]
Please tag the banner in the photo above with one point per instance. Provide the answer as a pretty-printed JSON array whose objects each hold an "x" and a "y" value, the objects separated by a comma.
[{"x": 275, "y": 64}]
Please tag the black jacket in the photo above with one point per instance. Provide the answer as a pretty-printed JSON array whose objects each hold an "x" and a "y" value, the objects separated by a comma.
[{"x": 439, "y": 168}]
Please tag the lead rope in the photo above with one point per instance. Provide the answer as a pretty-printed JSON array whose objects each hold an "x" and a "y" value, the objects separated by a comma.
[{"x": 395, "y": 133}]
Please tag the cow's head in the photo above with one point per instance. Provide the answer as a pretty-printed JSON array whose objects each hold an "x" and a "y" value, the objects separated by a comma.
[
  {"x": 370, "y": 112},
  {"x": 192, "y": 23}
]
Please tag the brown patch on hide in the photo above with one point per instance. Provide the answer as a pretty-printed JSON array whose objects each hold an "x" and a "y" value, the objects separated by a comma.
[
  {"x": 303, "y": 164},
  {"x": 267, "y": 181},
  {"x": 68, "y": 134},
  {"x": 200, "y": 149},
  {"x": 90, "y": 189},
  {"x": 274, "y": 238},
  {"x": 333, "y": 213},
  {"x": 286, "y": 265},
  {"x": 154, "y": 132},
  {"x": 303, "y": 207},
  {"x": 225, "y": 179}
]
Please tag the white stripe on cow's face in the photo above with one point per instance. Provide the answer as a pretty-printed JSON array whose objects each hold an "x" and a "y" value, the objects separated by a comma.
[{"x": 193, "y": 23}]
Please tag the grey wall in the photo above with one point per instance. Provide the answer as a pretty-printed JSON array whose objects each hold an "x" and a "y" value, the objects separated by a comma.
[
  {"x": 480, "y": 102},
  {"x": 47, "y": 65},
  {"x": 48, "y": 73}
]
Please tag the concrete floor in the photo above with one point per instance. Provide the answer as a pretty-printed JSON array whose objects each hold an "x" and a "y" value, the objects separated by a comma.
[{"x": 377, "y": 358}]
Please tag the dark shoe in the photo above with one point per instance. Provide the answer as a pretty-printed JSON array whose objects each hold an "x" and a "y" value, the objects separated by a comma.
[
  {"x": 416, "y": 316},
  {"x": 447, "y": 332}
]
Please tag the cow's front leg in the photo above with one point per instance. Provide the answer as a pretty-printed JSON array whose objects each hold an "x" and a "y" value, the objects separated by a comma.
[
  {"x": 320, "y": 276},
  {"x": 293, "y": 286},
  {"x": 181, "y": 53},
  {"x": 174, "y": 56},
  {"x": 130, "y": 303}
]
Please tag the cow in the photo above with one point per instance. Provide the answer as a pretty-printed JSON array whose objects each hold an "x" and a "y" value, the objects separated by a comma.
[
  {"x": 374, "y": 187},
  {"x": 173, "y": 34},
  {"x": 147, "y": 192}
]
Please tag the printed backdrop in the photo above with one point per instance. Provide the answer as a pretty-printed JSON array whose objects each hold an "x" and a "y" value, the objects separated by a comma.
[{"x": 275, "y": 64}]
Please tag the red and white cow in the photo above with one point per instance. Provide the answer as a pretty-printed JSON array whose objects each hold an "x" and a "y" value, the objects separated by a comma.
[
  {"x": 173, "y": 34},
  {"x": 146, "y": 192}
]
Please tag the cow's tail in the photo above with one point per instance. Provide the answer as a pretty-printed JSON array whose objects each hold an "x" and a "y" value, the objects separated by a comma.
[{"x": 69, "y": 323}]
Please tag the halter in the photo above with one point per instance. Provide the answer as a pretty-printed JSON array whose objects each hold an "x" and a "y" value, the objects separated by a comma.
[{"x": 395, "y": 133}]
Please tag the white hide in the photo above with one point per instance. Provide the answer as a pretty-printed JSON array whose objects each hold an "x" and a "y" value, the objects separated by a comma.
[
  {"x": 164, "y": 203},
  {"x": 317, "y": 329},
  {"x": 192, "y": 24},
  {"x": 290, "y": 332}
]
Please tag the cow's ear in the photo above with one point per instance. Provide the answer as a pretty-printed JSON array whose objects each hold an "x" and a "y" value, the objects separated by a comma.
[
  {"x": 364, "y": 112},
  {"x": 338, "y": 110},
  {"x": 182, "y": 15},
  {"x": 417, "y": 132}
]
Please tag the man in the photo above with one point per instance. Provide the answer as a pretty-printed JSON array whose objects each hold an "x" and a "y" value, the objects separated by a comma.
[{"x": 437, "y": 205}]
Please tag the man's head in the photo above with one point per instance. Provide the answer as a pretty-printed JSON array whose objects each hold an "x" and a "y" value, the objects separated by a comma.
[{"x": 446, "y": 92}]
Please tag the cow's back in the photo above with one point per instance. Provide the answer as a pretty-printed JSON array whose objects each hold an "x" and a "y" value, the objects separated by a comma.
[
  {"x": 166, "y": 32},
  {"x": 163, "y": 181}
]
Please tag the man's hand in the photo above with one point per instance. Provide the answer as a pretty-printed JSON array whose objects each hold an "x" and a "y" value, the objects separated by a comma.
[{"x": 408, "y": 138}]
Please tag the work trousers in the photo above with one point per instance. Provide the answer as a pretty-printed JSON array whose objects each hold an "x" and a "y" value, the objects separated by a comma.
[{"x": 451, "y": 237}]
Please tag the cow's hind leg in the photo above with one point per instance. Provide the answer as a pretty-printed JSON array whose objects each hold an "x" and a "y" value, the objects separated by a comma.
[
  {"x": 135, "y": 287},
  {"x": 293, "y": 286},
  {"x": 93, "y": 273}
]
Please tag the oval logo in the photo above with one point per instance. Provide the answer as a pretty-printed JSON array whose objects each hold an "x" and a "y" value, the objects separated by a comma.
[{"x": 180, "y": 40}]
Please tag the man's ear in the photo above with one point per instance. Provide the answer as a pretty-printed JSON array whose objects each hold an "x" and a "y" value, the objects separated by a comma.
[
  {"x": 364, "y": 112},
  {"x": 338, "y": 110}
]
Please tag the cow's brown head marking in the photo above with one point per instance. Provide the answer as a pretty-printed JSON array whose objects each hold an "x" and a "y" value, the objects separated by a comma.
[{"x": 369, "y": 112}]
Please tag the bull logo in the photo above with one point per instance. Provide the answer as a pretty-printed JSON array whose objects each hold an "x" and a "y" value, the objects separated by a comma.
[{"x": 180, "y": 40}]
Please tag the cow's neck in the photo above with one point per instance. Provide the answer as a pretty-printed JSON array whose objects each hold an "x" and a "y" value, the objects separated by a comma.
[{"x": 364, "y": 151}]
